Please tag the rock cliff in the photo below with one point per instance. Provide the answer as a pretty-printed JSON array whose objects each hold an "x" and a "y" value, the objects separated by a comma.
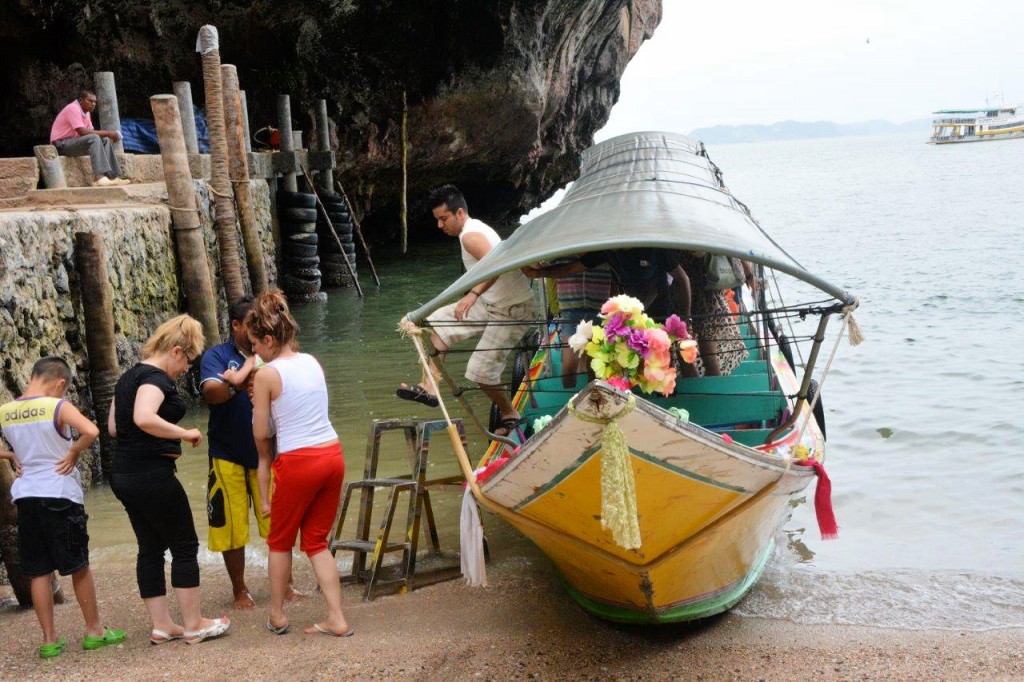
[{"x": 503, "y": 94}]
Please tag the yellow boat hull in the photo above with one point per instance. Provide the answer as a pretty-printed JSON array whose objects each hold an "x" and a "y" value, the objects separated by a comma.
[{"x": 708, "y": 511}]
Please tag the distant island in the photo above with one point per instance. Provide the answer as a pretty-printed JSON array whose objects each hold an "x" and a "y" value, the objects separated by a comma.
[{"x": 801, "y": 130}]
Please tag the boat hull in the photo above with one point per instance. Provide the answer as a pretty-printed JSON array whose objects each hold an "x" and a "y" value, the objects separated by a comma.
[{"x": 708, "y": 510}]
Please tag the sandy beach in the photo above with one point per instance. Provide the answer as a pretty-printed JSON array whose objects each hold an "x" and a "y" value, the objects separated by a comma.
[{"x": 522, "y": 626}]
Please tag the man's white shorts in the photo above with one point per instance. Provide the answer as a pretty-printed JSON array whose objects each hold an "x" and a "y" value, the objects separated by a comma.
[{"x": 496, "y": 341}]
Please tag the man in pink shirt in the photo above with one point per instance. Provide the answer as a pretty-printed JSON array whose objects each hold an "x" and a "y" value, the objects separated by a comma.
[{"x": 73, "y": 135}]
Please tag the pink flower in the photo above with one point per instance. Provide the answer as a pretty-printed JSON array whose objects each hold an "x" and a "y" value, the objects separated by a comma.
[
  {"x": 619, "y": 383},
  {"x": 676, "y": 327}
]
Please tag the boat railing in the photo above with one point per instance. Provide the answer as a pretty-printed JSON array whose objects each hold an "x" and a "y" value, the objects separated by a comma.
[{"x": 954, "y": 121}]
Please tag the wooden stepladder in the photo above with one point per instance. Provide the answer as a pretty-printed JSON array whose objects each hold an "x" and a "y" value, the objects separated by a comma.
[{"x": 416, "y": 487}]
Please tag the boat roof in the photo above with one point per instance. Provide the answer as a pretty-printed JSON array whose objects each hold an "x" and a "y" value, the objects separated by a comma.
[
  {"x": 648, "y": 189},
  {"x": 974, "y": 111}
]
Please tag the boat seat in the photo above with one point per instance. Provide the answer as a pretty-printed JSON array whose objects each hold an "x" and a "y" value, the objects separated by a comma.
[
  {"x": 733, "y": 383},
  {"x": 717, "y": 410}
]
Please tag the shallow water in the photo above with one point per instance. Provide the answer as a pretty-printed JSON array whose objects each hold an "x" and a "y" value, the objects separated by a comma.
[{"x": 923, "y": 419}]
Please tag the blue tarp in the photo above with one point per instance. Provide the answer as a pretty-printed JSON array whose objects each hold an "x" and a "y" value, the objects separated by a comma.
[{"x": 139, "y": 134}]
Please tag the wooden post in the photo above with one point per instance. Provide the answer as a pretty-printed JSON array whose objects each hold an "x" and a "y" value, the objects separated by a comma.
[
  {"x": 101, "y": 344},
  {"x": 50, "y": 166},
  {"x": 106, "y": 105},
  {"x": 220, "y": 185},
  {"x": 188, "y": 234},
  {"x": 245, "y": 121},
  {"x": 239, "y": 169},
  {"x": 183, "y": 91},
  {"x": 284, "y": 127},
  {"x": 323, "y": 139},
  {"x": 405, "y": 175}
]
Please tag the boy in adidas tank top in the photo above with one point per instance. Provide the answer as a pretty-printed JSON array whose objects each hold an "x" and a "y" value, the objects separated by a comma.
[{"x": 51, "y": 513}]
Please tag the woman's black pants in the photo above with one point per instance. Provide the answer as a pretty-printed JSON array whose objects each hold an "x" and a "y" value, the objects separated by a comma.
[{"x": 158, "y": 509}]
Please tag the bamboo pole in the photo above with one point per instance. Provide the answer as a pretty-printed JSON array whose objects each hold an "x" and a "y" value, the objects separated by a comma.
[
  {"x": 405, "y": 175},
  {"x": 359, "y": 232},
  {"x": 100, "y": 342},
  {"x": 106, "y": 105},
  {"x": 287, "y": 141},
  {"x": 239, "y": 169},
  {"x": 183, "y": 91},
  {"x": 224, "y": 209},
  {"x": 323, "y": 138},
  {"x": 188, "y": 235}
]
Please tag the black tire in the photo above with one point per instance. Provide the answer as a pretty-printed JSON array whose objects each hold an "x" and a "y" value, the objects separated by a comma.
[
  {"x": 298, "y": 215},
  {"x": 338, "y": 215},
  {"x": 286, "y": 199},
  {"x": 819, "y": 408},
  {"x": 301, "y": 250},
  {"x": 306, "y": 273},
  {"x": 349, "y": 247},
  {"x": 298, "y": 228},
  {"x": 293, "y": 262},
  {"x": 302, "y": 238},
  {"x": 302, "y": 299},
  {"x": 297, "y": 285},
  {"x": 333, "y": 201}
]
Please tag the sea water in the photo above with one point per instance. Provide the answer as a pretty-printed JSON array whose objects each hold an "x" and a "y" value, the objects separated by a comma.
[{"x": 924, "y": 419}]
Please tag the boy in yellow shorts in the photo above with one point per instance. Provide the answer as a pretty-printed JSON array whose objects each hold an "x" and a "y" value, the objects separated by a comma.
[
  {"x": 52, "y": 533},
  {"x": 232, "y": 488}
]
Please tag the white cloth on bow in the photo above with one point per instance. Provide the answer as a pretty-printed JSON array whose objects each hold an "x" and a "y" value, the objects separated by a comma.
[{"x": 471, "y": 541}]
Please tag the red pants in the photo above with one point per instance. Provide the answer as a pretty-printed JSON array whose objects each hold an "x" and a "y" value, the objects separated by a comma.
[{"x": 307, "y": 488}]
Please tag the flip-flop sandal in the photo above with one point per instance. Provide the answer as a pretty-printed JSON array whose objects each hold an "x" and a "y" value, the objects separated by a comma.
[
  {"x": 277, "y": 630},
  {"x": 324, "y": 631},
  {"x": 53, "y": 649},
  {"x": 509, "y": 424},
  {"x": 90, "y": 643},
  {"x": 161, "y": 637},
  {"x": 417, "y": 394}
]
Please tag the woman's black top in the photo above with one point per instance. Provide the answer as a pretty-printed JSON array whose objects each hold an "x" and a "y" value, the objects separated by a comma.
[{"x": 138, "y": 451}]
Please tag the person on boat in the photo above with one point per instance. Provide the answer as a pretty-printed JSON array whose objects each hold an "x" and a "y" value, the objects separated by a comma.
[
  {"x": 500, "y": 310},
  {"x": 721, "y": 346},
  {"x": 290, "y": 401},
  {"x": 579, "y": 297},
  {"x": 144, "y": 416},
  {"x": 73, "y": 135},
  {"x": 652, "y": 276},
  {"x": 225, "y": 372}
]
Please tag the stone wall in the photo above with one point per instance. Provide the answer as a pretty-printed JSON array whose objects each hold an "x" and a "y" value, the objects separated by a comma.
[{"x": 40, "y": 300}]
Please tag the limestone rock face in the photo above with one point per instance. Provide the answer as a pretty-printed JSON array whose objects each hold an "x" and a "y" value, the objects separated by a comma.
[{"x": 502, "y": 96}]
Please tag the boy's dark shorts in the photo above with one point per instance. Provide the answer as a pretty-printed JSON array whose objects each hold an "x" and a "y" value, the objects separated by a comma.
[{"x": 52, "y": 536}]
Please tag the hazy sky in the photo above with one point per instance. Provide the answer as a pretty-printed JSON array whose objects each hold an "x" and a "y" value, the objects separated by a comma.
[{"x": 733, "y": 62}]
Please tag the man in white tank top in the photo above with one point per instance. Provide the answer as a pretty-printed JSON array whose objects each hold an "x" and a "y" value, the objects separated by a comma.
[{"x": 505, "y": 299}]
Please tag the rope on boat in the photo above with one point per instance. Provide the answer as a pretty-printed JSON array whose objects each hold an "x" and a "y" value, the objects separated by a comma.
[
  {"x": 618, "y": 487},
  {"x": 824, "y": 375},
  {"x": 856, "y": 335}
]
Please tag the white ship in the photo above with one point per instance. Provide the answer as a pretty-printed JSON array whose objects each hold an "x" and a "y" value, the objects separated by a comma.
[{"x": 977, "y": 125}]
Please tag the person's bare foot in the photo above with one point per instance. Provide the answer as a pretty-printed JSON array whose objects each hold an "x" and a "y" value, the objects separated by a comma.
[
  {"x": 243, "y": 600},
  {"x": 293, "y": 595}
]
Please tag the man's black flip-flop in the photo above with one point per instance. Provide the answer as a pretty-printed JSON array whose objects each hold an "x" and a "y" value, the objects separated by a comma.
[{"x": 417, "y": 394}]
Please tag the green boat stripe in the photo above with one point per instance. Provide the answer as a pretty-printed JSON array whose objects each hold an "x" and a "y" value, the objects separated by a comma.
[
  {"x": 569, "y": 470},
  {"x": 686, "y": 610}
]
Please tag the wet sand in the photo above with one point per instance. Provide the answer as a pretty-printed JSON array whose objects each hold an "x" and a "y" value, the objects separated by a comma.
[{"x": 523, "y": 626}]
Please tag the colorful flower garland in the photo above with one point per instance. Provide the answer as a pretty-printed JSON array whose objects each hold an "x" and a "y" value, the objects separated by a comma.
[{"x": 630, "y": 349}]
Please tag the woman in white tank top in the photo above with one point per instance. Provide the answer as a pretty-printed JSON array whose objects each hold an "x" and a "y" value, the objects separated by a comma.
[{"x": 290, "y": 399}]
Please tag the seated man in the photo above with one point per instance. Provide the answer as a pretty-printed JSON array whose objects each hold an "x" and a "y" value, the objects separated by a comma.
[
  {"x": 73, "y": 135},
  {"x": 500, "y": 310}
]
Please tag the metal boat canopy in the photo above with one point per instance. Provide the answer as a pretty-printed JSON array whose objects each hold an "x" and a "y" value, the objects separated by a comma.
[{"x": 647, "y": 189}]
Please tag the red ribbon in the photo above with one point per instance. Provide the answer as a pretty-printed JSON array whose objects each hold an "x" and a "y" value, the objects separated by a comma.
[{"x": 822, "y": 500}]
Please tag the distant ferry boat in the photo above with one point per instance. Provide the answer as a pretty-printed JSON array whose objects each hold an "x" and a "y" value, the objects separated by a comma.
[{"x": 977, "y": 125}]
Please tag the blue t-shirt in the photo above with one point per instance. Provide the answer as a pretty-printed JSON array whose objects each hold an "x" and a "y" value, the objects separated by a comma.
[{"x": 230, "y": 430}]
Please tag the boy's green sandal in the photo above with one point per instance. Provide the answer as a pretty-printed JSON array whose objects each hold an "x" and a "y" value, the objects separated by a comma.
[
  {"x": 54, "y": 649},
  {"x": 109, "y": 637}
]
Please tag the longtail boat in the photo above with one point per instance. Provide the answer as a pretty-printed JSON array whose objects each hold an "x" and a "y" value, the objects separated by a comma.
[{"x": 657, "y": 508}]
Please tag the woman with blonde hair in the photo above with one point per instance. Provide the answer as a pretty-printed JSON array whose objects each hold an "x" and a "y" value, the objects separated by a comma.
[
  {"x": 143, "y": 417},
  {"x": 290, "y": 400}
]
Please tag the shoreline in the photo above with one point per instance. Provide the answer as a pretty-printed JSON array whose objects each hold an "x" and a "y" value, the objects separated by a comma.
[{"x": 523, "y": 626}]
